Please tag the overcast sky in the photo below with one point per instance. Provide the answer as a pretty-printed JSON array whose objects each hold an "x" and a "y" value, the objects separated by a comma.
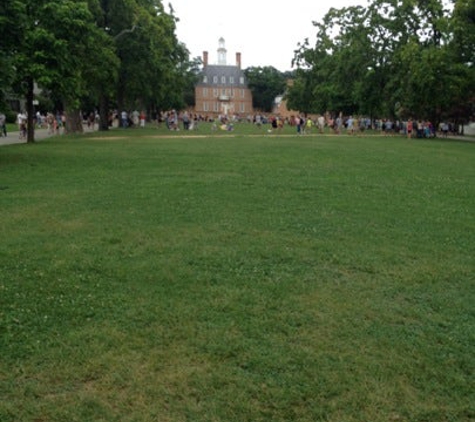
[{"x": 265, "y": 32}]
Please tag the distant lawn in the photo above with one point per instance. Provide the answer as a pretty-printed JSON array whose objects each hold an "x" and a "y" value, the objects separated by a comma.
[{"x": 151, "y": 276}]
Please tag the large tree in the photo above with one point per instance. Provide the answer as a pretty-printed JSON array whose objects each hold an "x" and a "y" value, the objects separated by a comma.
[
  {"x": 60, "y": 49},
  {"x": 265, "y": 83},
  {"x": 11, "y": 13},
  {"x": 150, "y": 54},
  {"x": 119, "y": 52},
  {"x": 388, "y": 59}
]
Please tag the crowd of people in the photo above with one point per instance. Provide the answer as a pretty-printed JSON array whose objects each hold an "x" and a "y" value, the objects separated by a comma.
[
  {"x": 354, "y": 125},
  {"x": 303, "y": 125},
  {"x": 185, "y": 120}
]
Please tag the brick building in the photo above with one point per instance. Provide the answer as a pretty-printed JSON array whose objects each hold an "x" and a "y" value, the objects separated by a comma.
[{"x": 222, "y": 89}]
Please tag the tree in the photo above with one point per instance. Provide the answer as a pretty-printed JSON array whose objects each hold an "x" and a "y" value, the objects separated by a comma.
[
  {"x": 11, "y": 13},
  {"x": 57, "y": 49},
  {"x": 405, "y": 52},
  {"x": 123, "y": 51},
  {"x": 462, "y": 47},
  {"x": 153, "y": 67},
  {"x": 90, "y": 56},
  {"x": 340, "y": 70},
  {"x": 191, "y": 73},
  {"x": 265, "y": 83}
]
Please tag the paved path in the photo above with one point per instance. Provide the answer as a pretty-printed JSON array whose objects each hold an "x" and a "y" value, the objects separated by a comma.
[{"x": 14, "y": 138}]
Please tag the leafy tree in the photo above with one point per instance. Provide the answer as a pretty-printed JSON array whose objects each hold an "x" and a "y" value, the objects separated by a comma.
[
  {"x": 11, "y": 13},
  {"x": 463, "y": 23},
  {"x": 462, "y": 47},
  {"x": 153, "y": 67},
  {"x": 340, "y": 70},
  {"x": 121, "y": 51},
  {"x": 90, "y": 58},
  {"x": 266, "y": 83},
  {"x": 406, "y": 52},
  {"x": 191, "y": 73},
  {"x": 57, "y": 49}
]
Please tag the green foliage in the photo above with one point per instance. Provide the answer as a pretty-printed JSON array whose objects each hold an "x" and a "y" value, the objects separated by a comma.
[
  {"x": 11, "y": 13},
  {"x": 124, "y": 51},
  {"x": 153, "y": 67},
  {"x": 265, "y": 83},
  {"x": 365, "y": 60},
  {"x": 464, "y": 30}
]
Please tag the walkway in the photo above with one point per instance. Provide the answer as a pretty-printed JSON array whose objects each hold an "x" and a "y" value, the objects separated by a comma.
[{"x": 13, "y": 137}]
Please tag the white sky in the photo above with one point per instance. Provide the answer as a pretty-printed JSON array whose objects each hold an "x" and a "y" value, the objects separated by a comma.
[{"x": 265, "y": 32}]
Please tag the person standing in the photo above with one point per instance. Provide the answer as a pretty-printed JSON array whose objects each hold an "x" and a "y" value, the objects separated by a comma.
[
  {"x": 3, "y": 125},
  {"x": 19, "y": 119},
  {"x": 321, "y": 123},
  {"x": 135, "y": 118},
  {"x": 22, "y": 120},
  {"x": 298, "y": 123},
  {"x": 349, "y": 125},
  {"x": 186, "y": 121},
  {"x": 124, "y": 118},
  {"x": 409, "y": 128},
  {"x": 308, "y": 125}
]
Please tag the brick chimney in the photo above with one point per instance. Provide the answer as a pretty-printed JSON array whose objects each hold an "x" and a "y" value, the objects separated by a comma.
[
  {"x": 205, "y": 58},
  {"x": 238, "y": 60}
]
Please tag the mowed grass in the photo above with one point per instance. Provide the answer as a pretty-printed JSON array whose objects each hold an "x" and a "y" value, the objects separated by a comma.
[{"x": 237, "y": 278}]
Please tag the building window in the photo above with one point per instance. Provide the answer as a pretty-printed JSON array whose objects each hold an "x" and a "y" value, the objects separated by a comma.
[
  {"x": 205, "y": 92},
  {"x": 223, "y": 91},
  {"x": 241, "y": 80},
  {"x": 242, "y": 108},
  {"x": 231, "y": 79},
  {"x": 205, "y": 107},
  {"x": 216, "y": 107},
  {"x": 243, "y": 93},
  {"x": 232, "y": 92},
  {"x": 205, "y": 79},
  {"x": 215, "y": 79},
  {"x": 215, "y": 92},
  {"x": 223, "y": 79}
]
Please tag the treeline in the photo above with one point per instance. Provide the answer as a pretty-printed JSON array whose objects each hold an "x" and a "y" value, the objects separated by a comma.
[
  {"x": 392, "y": 58},
  {"x": 112, "y": 53}
]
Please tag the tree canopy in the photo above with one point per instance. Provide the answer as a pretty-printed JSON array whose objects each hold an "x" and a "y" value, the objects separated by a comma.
[
  {"x": 266, "y": 83},
  {"x": 121, "y": 53},
  {"x": 393, "y": 58}
]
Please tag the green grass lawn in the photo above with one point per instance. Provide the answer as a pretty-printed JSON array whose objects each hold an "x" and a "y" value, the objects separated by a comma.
[{"x": 230, "y": 277}]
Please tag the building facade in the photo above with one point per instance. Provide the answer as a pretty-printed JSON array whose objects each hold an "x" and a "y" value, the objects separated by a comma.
[{"x": 222, "y": 89}]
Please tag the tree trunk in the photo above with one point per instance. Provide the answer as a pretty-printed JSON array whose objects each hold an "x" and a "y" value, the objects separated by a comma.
[
  {"x": 30, "y": 112},
  {"x": 73, "y": 121}
]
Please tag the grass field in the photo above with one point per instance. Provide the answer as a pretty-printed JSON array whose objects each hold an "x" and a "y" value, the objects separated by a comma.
[{"x": 237, "y": 278}]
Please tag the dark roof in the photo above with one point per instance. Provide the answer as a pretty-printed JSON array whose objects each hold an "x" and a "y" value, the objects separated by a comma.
[{"x": 221, "y": 70}]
